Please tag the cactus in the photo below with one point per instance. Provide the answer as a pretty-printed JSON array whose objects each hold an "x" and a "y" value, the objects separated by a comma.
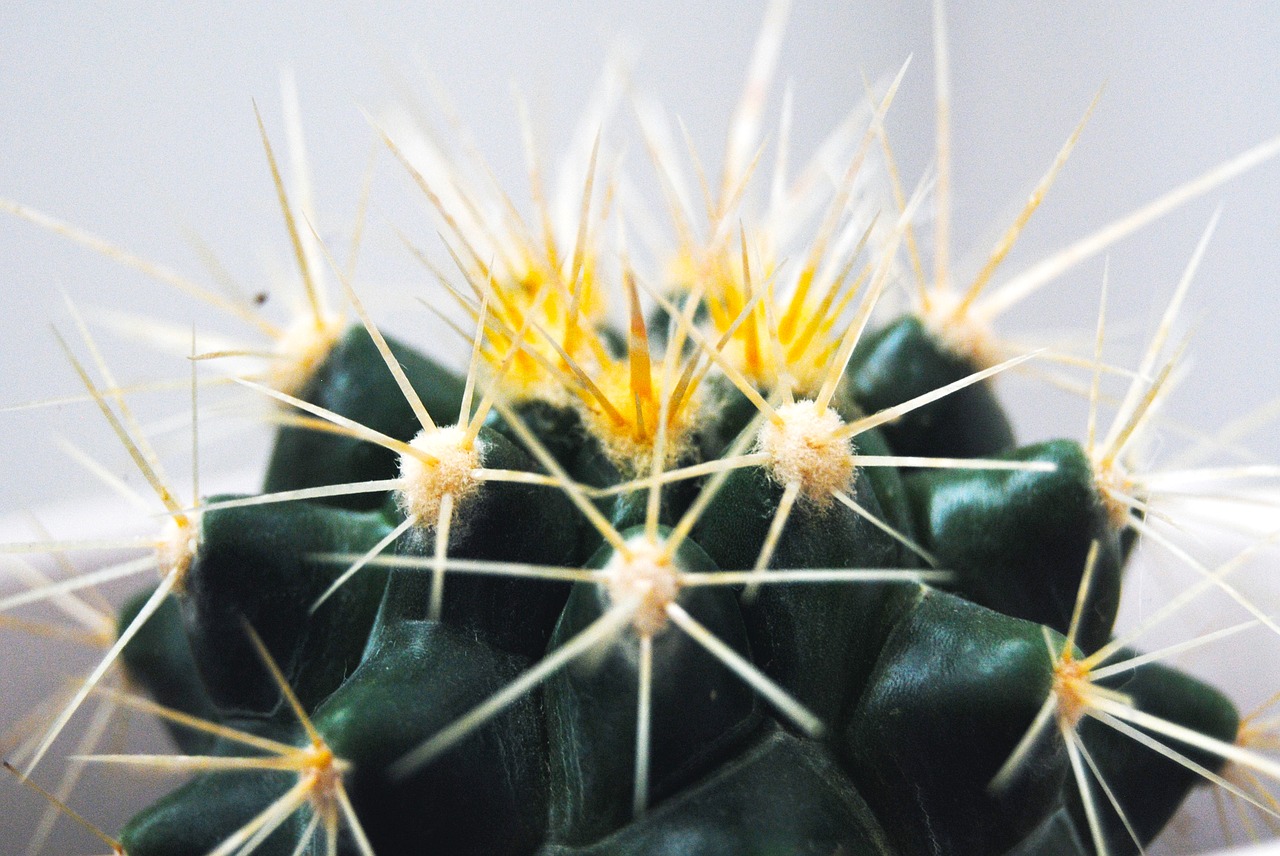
[{"x": 759, "y": 571}]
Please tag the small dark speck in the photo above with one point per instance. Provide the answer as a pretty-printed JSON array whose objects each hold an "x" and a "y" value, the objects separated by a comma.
[{"x": 260, "y": 298}]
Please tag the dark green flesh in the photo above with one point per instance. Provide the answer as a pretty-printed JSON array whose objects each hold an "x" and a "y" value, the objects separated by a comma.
[
  {"x": 257, "y": 565},
  {"x": 701, "y": 713},
  {"x": 1017, "y": 541},
  {"x": 201, "y": 814},
  {"x": 953, "y": 690},
  {"x": 782, "y": 796},
  {"x": 923, "y": 693},
  {"x": 503, "y": 522},
  {"x": 904, "y": 360},
  {"x": 811, "y": 638},
  {"x": 159, "y": 659},
  {"x": 1057, "y": 836},
  {"x": 354, "y": 381},
  {"x": 486, "y": 796}
]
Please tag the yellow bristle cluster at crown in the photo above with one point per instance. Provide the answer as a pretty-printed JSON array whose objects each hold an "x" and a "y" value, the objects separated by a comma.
[
  {"x": 628, "y": 402},
  {"x": 546, "y": 304},
  {"x": 768, "y": 336}
]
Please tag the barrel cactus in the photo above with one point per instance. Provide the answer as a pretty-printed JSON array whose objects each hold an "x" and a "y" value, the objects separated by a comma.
[{"x": 735, "y": 559}]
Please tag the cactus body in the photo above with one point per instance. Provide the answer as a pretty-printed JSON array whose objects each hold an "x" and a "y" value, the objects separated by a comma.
[{"x": 922, "y": 693}]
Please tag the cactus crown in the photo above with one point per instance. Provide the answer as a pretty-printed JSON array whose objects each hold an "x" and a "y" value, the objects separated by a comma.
[{"x": 751, "y": 574}]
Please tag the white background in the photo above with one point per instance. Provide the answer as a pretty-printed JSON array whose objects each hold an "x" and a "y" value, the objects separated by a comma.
[{"x": 134, "y": 120}]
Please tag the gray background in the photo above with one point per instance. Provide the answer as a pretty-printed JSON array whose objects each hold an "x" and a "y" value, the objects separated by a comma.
[{"x": 134, "y": 120}]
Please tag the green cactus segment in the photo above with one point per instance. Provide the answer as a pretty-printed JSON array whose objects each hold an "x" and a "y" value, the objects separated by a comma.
[
  {"x": 924, "y": 694},
  {"x": 719, "y": 425},
  {"x": 817, "y": 640},
  {"x": 701, "y": 711},
  {"x": 631, "y": 508},
  {"x": 501, "y": 522},
  {"x": 354, "y": 382},
  {"x": 1149, "y": 786},
  {"x": 560, "y": 430},
  {"x": 955, "y": 688},
  {"x": 258, "y": 564},
  {"x": 158, "y": 659},
  {"x": 1018, "y": 540},
  {"x": 484, "y": 797},
  {"x": 200, "y": 815},
  {"x": 784, "y": 796},
  {"x": 888, "y": 484},
  {"x": 904, "y": 360}
]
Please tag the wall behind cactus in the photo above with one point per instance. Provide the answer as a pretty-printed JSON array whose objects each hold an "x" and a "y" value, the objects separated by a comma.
[{"x": 136, "y": 122}]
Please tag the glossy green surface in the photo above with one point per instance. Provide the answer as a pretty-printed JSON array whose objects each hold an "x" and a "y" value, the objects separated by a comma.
[
  {"x": 1017, "y": 541},
  {"x": 954, "y": 689},
  {"x": 485, "y": 796},
  {"x": 199, "y": 815},
  {"x": 922, "y": 694},
  {"x": 701, "y": 713},
  {"x": 354, "y": 382},
  {"x": 1148, "y": 785},
  {"x": 258, "y": 565},
  {"x": 816, "y": 640},
  {"x": 158, "y": 659},
  {"x": 783, "y": 796},
  {"x": 904, "y": 360},
  {"x": 501, "y": 522}
]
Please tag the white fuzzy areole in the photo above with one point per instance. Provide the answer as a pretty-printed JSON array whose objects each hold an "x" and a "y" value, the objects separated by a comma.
[
  {"x": 1113, "y": 484},
  {"x": 646, "y": 578},
  {"x": 964, "y": 334},
  {"x": 805, "y": 448},
  {"x": 446, "y": 468},
  {"x": 176, "y": 548},
  {"x": 306, "y": 344}
]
